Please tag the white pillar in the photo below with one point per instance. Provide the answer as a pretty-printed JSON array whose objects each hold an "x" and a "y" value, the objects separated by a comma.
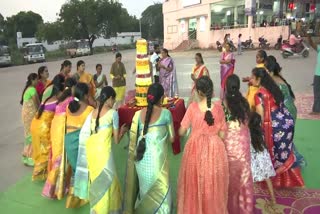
[
  {"x": 235, "y": 11},
  {"x": 250, "y": 23}
]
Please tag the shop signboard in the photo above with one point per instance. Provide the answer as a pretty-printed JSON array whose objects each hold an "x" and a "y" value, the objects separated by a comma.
[
  {"x": 186, "y": 3},
  {"x": 250, "y": 7}
]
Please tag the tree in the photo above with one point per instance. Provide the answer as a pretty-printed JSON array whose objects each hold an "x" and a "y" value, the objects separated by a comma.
[
  {"x": 128, "y": 23},
  {"x": 88, "y": 19},
  {"x": 152, "y": 22},
  {"x": 25, "y": 22},
  {"x": 2, "y": 36},
  {"x": 50, "y": 32}
]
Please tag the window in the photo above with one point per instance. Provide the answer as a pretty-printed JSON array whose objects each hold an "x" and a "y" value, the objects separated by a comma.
[{"x": 172, "y": 29}]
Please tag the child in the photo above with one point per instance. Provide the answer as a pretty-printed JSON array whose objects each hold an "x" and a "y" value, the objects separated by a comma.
[{"x": 261, "y": 165}]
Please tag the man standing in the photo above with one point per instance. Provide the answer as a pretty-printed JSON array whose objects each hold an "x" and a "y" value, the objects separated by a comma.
[
  {"x": 316, "y": 79},
  {"x": 154, "y": 59}
]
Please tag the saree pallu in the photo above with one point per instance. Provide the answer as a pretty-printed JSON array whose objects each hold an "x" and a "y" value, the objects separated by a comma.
[
  {"x": 237, "y": 141},
  {"x": 197, "y": 71},
  {"x": 71, "y": 147},
  {"x": 278, "y": 128},
  {"x": 28, "y": 112},
  {"x": 41, "y": 144},
  {"x": 158, "y": 198},
  {"x": 104, "y": 191},
  {"x": 54, "y": 186},
  {"x": 225, "y": 71}
]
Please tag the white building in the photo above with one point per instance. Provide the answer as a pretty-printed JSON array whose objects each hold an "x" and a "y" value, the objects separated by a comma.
[{"x": 120, "y": 39}]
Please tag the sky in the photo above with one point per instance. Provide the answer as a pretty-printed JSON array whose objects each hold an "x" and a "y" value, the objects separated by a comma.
[{"x": 49, "y": 9}]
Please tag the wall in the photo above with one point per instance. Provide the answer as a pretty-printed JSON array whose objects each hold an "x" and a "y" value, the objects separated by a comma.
[
  {"x": 269, "y": 33},
  {"x": 173, "y": 12}
]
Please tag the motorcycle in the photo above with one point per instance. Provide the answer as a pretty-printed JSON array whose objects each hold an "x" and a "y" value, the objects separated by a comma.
[
  {"x": 279, "y": 43},
  {"x": 263, "y": 43},
  {"x": 219, "y": 46},
  {"x": 300, "y": 50},
  {"x": 232, "y": 46},
  {"x": 247, "y": 44}
]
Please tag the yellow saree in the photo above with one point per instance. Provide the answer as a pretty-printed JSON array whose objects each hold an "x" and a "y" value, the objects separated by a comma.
[
  {"x": 104, "y": 190},
  {"x": 73, "y": 127},
  {"x": 41, "y": 144},
  {"x": 252, "y": 90}
]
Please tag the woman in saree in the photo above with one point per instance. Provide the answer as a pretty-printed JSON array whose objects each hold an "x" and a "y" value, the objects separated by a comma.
[
  {"x": 147, "y": 187},
  {"x": 118, "y": 75},
  {"x": 168, "y": 75},
  {"x": 65, "y": 69},
  {"x": 95, "y": 151},
  {"x": 252, "y": 90},
  {"x": 274, "y": 69},
  {"x": 57, "y": 81},
  {"x": 227, "y": 63},
  {"x": 54, "y": 188},
  {"x": 204, "y": 173},
  {"x": 198, "y": 71},
  {"x": 30, "y": 104},
  {"x": 43, "y": 82},
  {"x": 278, "y": 126},
  {"x": 76, "y": 113},
  {"x": 40, "y": 132},
  {"x": 237, "y": 142}
]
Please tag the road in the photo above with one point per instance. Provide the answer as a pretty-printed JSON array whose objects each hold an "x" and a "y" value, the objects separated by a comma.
[{"x": 298, "y": 72}]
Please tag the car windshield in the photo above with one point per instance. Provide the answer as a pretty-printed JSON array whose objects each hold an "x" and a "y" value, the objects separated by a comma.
[
  {"x": 4, "y": 51},
  {"x": 83, "y": 45},
  {"x": 35, "y": 49}
]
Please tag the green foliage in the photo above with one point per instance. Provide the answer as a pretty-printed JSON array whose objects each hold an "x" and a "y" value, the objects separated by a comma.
[
  {"x": 55, "y": 55},
  {"x": 25, "y": 22},
  {"x": 50, "y": 32},
  {"x": 152, "y": 22},
  {"x": 16, "y": 55}
]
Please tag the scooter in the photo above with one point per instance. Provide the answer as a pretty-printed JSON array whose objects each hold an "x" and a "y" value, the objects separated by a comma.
[
  {"x": 277, "y": 46},
  {"x": 219, "y": 46},
  {"x": 247, "y": 44},
  {"x": 301, "y": 50},
  {"x": 263, "y": 43},
  {"x": 232, "y": 46}
]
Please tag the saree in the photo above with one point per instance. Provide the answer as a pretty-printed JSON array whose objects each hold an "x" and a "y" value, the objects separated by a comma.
[
  {"x": 71, "y": 143},
  {"x": 289, "y": 104},
  {"x": 147, "y": 187},
  {"x": 119, "y": 85},
  {"x": 252, "y": 90},
  {"x": 237, "y": 141},
  {"x": 88, "y": 79},
  {"x": 54, "y": 187},
  {"x": 168, "y": 80},
  {"x": 28, "y": 112},
  {"x": 97, "y": 165},
  {"x": 41, "y": 87},
  {"x": 225, "y": 71},
  {"x": 41, "y": 142},
  {"x": 198, "y": 71},
  {"x": 47, "y": 92},
  {"x": 278, "y": 126}
]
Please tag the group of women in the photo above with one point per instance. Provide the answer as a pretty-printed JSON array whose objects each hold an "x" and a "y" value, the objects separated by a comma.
[
  {"x": 234, "y": 142},
  {"x": 252, "y": 143}
]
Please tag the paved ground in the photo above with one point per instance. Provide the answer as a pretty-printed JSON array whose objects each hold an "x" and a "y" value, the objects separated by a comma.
[{"x": 299, "y": 72}]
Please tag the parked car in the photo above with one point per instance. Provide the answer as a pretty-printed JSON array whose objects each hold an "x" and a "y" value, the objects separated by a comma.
[
  {"x": 34, "y": 53},
  {"x": 78, "y": 48}
]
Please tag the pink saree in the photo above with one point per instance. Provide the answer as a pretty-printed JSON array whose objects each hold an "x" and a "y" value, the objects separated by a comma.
[
  {"x": 225, "y": 71},
  {"x": 240, "y": 194}
]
